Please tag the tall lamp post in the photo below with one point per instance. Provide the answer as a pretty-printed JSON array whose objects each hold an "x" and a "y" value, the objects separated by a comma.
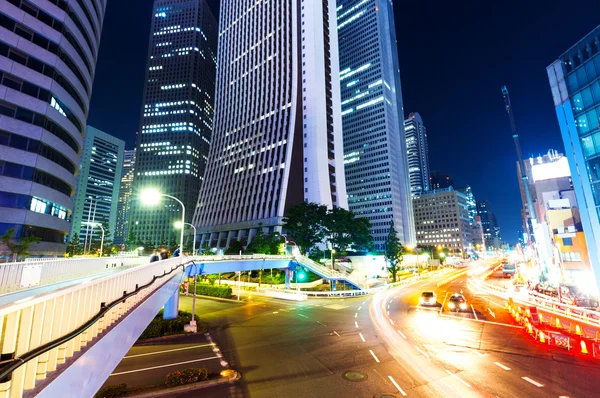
[
  {"x": 193, "y": 326},
  {"x": 178, "y": 224},
  {"x": 96, "y": 224},
  {"x": 151, "y": 196}
]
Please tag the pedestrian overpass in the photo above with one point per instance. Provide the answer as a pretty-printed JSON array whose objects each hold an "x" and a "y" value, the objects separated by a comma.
[{"x": 68, "y": 323}]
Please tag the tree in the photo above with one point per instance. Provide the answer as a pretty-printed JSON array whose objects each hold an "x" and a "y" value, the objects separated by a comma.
[
  {"x": 275, "y": 243},
  {"x": 305, "y": 223},
  {"x": 131, "y": 241},
  {"x": 345, "y": 229},
  {"x": 74, "y": 247},
  {"x": 259, "y": 244},
  {"x": 235, "y": 247},
  {"x": 393, "y": 251},
  {"x": 205, "y": 250},
  {"x": 148, "y": 247},
  {"x": 20, "y": 249}
]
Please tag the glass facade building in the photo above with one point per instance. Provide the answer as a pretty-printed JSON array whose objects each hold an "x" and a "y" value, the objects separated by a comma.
[
  {"x": 48, "y": 53},
  {"x": 575, "y": 83},
  {"x": 98, "y": 184},
  {"x": 489, "y": 222},
  {"x": 124, "y": 205},
  {"x": 177, "y": 115},
  {"x": 277, "y": 138},
  {"x": 375, "y": 155},
  {"x": 418, "y": 154}
]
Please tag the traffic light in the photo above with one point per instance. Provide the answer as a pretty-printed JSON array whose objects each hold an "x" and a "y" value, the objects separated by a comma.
[{"x": 301, "y": 275}]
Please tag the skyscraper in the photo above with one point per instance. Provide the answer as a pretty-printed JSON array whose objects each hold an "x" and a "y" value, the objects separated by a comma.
[
  {"x": 372, "y": 114},
  {"x": 177, "y": 115},
  {"x": 489, "y": 222},
  {"x": 98, "y": 184},
  {"x": 277, "y": 138},
  {"x": 575, "y": 84},
  {"x": 48, "y": 53},
  {"x": 438, "y": 180},
  {"x": 471, "y": 202},
  {"x": 124, "y": 204},
  {"x": 418, "y": 154}
]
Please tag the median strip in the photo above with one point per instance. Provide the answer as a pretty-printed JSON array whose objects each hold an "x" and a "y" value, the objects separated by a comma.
[{"x": 164, "y": 366}]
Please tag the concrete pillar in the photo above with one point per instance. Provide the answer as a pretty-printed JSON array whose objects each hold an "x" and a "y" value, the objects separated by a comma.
[
  {"x": 288, "y": 274},
  {"x": 171, "y": 309},
  {"x": 333, "y": 285}
]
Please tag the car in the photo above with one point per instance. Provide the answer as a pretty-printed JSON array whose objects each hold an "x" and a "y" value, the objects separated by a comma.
[
  {"x": 457, "y": 302},
  {"x": 428, "y": 298}
]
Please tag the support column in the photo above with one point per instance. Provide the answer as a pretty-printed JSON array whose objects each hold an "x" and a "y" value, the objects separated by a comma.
[
  {"x": 333, "y": 285},
  {"x": 171, "y": 309},
  {"x": 288, "y": 274}
]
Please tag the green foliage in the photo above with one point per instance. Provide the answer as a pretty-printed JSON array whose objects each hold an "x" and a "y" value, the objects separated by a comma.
[
  {"x": 275, "y": 242},
  {"x": 434, "y": 252},
  {"x": 186, "y": 376},
  {"x": 148, "y": 247},
  {"x": 212, "y": 279},
  {"x": 235, "y": 247},
  {"x": 74, "y": 248},
  {"x": 159, "y": 327},
  {"x": 20, "y": 249},
  {"x": 345, "y": 229},
  {"x": 131, "y": 240},
  {"x": 259, "y": 243},
  {"x": 117, "y": 390},
  {"x": 205, "y": 250},
  {"x": 222, "y": 291},
  {"x": 304, "y": 222},
  {"x": 393, "y": 251}
]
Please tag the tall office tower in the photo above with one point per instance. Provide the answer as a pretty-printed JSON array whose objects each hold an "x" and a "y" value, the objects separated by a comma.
[
  {"x": 418, "y": 154},
  {"x": 124, "y": 204},
  {"x": 48, "y": 53},
  {"x": 177, "y": 115},
  {"x": 277, "y": 138},
  {"x": 375, "y": 155},
  {"x": 575, "y": 83},
  {"x": 437, "y": 180},
  {"x": 98, "y": 184},
  {"x": 489, "y": 222},
  {"x": 471, "y": 202}
]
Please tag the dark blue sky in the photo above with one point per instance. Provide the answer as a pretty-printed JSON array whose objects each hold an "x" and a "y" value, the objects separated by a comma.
[{"x": 454, "y": 58}]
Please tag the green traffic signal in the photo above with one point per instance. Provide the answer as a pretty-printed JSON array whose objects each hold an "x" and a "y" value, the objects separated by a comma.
[{"x": 301, "y": 275}]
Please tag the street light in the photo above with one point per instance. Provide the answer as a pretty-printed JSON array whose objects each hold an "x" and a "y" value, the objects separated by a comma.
[
  {"x": 151, "y": 196},
  {"x": 96, "y": 224},
  {"x": 178, "y": 224}
]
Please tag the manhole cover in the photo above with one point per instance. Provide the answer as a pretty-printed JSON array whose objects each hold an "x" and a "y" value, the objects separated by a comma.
[{"x": 355, "y": 376}]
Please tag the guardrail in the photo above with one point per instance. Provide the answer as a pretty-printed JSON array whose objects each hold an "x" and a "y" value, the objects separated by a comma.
[
  {"x": 34, "y": 329},
  {"x": 27, "y": 274}
]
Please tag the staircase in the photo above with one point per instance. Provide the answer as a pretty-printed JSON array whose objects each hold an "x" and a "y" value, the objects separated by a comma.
[{"x": 327, "y": 273}]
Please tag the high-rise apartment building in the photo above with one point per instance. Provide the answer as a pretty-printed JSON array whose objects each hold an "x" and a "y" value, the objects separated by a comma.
[
  {"x": 277, "y": 138},
  {"x": 124, "y": 204},
  {"x": 177, "y": 115},
  {"x": 575, "y": 84},
  {"x": 376, "y": 168},
  {"x": 442, "y": 218},
  {"x": 48, "y": 53},
  {"x": 98, "y": 184},
  {"x": 418, "y": 154},
  {"x": 489, "y": 222}
]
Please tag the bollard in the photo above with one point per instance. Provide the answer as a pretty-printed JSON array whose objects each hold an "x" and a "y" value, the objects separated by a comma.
[
  {"x": 529, "y": 328},
  {"x": 542, "y": 338},
  {"x": 577, "y": 330},
  {"x": 558, "y": 325},
  {"x": 584, "y": 348}
]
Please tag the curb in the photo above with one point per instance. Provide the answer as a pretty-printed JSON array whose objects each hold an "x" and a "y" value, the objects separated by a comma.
[
  {"x": 188, "y": 387},
  {"x": 214, "y": 298}
]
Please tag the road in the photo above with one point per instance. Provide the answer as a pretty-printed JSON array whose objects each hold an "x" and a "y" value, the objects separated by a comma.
[{"x": 354, "y": 348}]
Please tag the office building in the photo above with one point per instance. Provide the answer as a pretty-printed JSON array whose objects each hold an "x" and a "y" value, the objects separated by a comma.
[
  {"x": 375, "y": 158},
  {"x": 575, "y": 83},
  {"x": 177, "y": 116},
  {"x": 418, "y": 153},
  {"x": 442, "y": 218},
  {"x": 98, "y": 185},
  {"x": 471, "y": 202},
  {"x": 489, "y": 222},
  {"x": 277, "y": 139},
  {"x": 48, "y": 57},
  {"x": 124, "y": 204},
  {"x": 438, "y": 180}
]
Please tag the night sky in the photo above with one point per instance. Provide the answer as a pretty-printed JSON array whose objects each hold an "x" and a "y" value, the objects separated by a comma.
[{"x": 454, "y": 58}]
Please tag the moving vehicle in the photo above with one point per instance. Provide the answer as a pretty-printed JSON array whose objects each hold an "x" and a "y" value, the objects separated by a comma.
[
  {"x": 508, "y": 270},
  {"x": 428, "y": 298},
  {"x": 457, "y": 302}
]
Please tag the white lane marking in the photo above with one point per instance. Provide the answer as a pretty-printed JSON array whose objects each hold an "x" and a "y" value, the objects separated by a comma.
[
  {"x": 390, "y": 301},
  {"x": 388, "y": 306},
  {"x": 322, "y": 324},
  {"x": 397, "y": 386},
  {"x": 458, "y": 378},
  {"x": 535, "y": 383},
  {"x": 356, "y": 324},
  {"x": 303, "y": 316},
  {"x": 395, "y": 297},
  {"x": 492, "y": 313},
  {"x": 388, "y": 313},
  {"x": 422, "y": 352},
  {"x": 392, "y": 322},
  {"x": 359, "y": 307},
  {"x": 501, "y": 366},
  {"x": 164, "y": 366},
  {"x": 374, "y": 356},
  {"x": 337, "y": 334},
  {"x": 401, "y": 334},
  {"x": 356, "y": 315},
  {"x": 474, "y": 314},
  {"x": 479, "y": 353},
  {"x": 162, "y": 352},
  {"x": 362, "y": 338},
  {"x": 275, "y": 312}
]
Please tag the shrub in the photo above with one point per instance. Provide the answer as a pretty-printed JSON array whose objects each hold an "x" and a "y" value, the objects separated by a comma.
[
  {"x": 117, "y": 390},
  {"x": 159, "y": 327},
  {"x": 214, "y": 291},
  {"x": 186, "y": 376}
]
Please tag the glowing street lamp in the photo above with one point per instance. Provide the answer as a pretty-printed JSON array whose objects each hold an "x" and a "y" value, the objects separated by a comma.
[
  {"x": 179, "y": 224},
  {"x": 151, "y": 196},
  {"x": 96, "y": 224}
]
